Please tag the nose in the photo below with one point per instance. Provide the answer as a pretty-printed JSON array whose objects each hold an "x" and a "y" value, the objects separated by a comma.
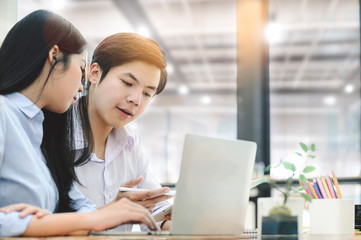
[{"x": 135, "y": 97}]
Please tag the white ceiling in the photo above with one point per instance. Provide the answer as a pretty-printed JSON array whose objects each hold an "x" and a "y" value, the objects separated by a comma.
[
  {"x": 314, "y": 69},
  {"x": 317, "y": 52}
]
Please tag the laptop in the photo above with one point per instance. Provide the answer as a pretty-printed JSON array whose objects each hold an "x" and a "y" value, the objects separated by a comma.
[{"x": 212, "y": 192}]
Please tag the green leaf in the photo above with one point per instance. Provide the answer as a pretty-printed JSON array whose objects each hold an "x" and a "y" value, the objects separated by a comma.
[
  {"x": 301, "y": 188},
  {"x": 311, "y": 156},
  {"x": 266, "y": 169},
  {"x": 306, "y": 197},
  {"x": 302, "y": 178},
  {"x": 289, "y": 166},
  {"x": 313, "y": 147},
  {"x": 299, "y": 154},
  {"x": 309, "y": 169},
  {"x": 304, "y": 147}
]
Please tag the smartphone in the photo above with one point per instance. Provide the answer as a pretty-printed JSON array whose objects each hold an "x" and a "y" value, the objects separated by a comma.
[
  {"x": 125, "y": 189},
  {"x": 159, "y": 214}
]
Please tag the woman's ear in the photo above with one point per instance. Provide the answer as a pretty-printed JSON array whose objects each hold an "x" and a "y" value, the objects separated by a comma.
[
  {"x": 53, "y": 54},
  {"x": 95, "y": 73}
]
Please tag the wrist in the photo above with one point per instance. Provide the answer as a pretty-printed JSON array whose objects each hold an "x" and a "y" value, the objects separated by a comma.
[{"x": 91, "y": 223}]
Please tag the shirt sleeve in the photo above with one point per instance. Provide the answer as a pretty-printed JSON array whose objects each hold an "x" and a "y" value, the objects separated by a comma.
[
  {"x": 2, "y": 131},
  {"x": 11, "y": 225},
  {"x": 80, "y": 203}
]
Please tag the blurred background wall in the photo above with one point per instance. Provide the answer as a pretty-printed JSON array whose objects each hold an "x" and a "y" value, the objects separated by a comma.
[{"x": 313, "y": 74}]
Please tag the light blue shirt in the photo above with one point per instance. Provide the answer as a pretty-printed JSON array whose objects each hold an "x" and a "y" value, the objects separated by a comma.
[{"x": 24, "y": 175}]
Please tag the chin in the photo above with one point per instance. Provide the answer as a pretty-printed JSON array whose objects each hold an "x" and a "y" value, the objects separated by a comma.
[
  {"x": 59, "y": 109},
  {"x": 117, "y": 124},
  {"x": 63, "y": 110}
]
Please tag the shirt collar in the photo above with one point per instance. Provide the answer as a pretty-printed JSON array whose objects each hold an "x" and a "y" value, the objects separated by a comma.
[
  {"x": 122, "y": 137},
  {"x": 118, "y": 140},
  {"x": 27, "y": 107}
]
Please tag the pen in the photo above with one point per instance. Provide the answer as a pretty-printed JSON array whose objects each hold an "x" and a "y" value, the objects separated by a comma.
[{"x": 335, "y": 181}]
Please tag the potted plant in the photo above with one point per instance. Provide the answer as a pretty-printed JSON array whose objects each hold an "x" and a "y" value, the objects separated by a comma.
[{"x": 280, "y": 219}]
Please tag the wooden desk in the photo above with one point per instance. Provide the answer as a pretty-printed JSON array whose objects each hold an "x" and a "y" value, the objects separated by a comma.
[{"x": 150, "y": 237}]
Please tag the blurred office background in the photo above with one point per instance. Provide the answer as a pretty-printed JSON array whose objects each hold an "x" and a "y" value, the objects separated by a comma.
[{"x": 314, "y": 75}]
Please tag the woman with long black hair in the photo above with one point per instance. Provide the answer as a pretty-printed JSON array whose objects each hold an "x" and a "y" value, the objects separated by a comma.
[{"x": 42, "y": 62}]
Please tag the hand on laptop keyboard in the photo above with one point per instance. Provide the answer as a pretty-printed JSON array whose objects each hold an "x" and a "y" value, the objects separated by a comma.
[{"x": 121, "y": 212}]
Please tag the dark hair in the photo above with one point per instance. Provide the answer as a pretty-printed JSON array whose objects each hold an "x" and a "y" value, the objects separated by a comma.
[
  {"x": 116, "y": 50},
  {"x": 22, "y": 58}
]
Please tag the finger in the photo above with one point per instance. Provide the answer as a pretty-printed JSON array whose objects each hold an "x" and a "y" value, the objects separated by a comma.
[
  {"x": 147, "y": 204},
  {"x": 146, "y": 217},
  {"x": 133, "y": 182},
  {"x": 14, "y": 207},
  {"x": 153, "y": 201},
  {"x": 29, "y": 210},
  {"x": 149, "y": 194},
  {"x": 4, "y": 210},
  {"x": 43, "y": 213},
  {"x": 152, "y": 224},
  {"x": 148, "y": 220},
  {"x": 161, "y": 198},
  {"x": 150, "y": 206}
]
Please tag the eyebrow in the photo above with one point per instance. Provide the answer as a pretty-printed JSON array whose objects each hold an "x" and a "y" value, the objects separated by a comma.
[{"x": 135, "y": 79}]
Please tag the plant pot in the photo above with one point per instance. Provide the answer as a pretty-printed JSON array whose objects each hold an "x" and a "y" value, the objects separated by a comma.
[
  {"x": 295, "y": 204},
  {"x": 279, "y": 225}
]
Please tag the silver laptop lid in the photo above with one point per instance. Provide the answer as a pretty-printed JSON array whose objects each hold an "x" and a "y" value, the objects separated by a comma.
[{"x": 213, "y": 186}]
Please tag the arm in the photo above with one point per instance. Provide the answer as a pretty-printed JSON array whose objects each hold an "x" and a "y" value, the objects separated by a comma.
[
  {"x": 2, "y": 131},
  {"x": 121, "y": 212},
  {"x": 58, "y": 224}
]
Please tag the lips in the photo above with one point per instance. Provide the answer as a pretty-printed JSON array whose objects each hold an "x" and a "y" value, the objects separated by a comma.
[{"x": 128, "y": 112}]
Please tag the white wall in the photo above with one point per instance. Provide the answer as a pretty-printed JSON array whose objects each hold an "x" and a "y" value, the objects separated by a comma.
[{"x": 8, "y": 16}]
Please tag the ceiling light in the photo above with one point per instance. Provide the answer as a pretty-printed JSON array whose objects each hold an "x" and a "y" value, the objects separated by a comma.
[
  {"x": 329, "y": 100},
  {"x": 144, "y": 31},
  {"x": 205, "y": 99},
  {"x": 183, "y": 90},
  {"x": 274, "y": 33},
  {"x": 170, "y": 68},
  {"x": 349, "y": 88},
  {"x": 57, "y": 5}
]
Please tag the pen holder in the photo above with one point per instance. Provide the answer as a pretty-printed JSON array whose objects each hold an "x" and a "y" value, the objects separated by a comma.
[{"x": 332, "y": 216}]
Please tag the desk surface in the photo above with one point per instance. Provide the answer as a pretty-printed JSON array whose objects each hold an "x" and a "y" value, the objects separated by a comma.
[{"x": 152, "y": 237}]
